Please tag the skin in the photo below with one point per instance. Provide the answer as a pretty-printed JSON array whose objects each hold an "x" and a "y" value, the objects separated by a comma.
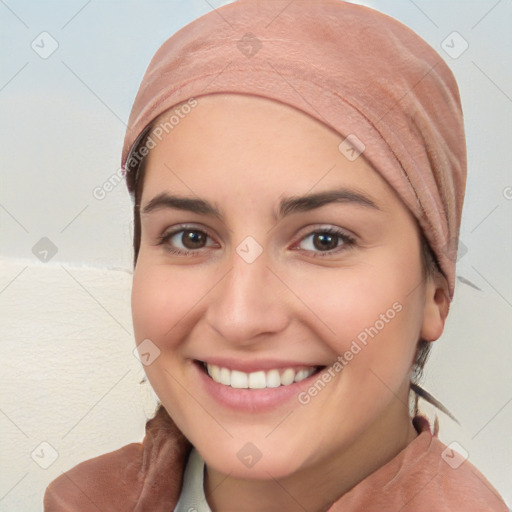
[{"x": 295, "y": 301}]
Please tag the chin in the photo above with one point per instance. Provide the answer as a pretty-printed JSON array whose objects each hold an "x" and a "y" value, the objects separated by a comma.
[{"x": 251, "y": 463}]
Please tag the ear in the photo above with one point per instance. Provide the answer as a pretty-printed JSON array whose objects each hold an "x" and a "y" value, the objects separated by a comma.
[{"x": 437, "y": 305}]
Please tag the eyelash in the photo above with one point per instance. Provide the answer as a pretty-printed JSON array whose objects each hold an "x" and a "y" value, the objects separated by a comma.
[{"x": 347, "y": 240}]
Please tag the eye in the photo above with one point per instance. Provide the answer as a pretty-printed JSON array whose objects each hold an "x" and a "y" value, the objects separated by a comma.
[
  {"x": 185, "y": 241},
  {"x": 188, "y": 241},
  {"x": 326, "y": 241}
]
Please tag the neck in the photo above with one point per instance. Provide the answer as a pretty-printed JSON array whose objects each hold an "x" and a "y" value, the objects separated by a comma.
[{"x": 315, "y": 487}]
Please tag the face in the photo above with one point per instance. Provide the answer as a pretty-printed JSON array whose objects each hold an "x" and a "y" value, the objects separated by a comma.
[{"x": 280, "y": 286}]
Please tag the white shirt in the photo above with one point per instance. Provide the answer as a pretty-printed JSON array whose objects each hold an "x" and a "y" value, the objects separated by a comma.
[{"x": 192, "y": 497}]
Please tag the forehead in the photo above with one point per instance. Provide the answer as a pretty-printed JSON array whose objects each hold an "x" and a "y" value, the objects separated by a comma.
[{"x": 253, "y": 145}]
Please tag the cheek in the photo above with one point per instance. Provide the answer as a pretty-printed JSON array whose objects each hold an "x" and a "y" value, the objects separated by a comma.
[
  {"x": 146, "y": 304},
  {"x": 372, "y": 316},
  {"x": 160, "y": 301}
]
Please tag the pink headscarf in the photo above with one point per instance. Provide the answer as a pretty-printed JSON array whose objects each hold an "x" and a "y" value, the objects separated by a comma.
[{"x": 373, "y": 80}]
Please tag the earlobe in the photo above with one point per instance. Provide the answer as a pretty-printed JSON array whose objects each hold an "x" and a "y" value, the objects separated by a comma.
[{"x": 437, "y": 306}]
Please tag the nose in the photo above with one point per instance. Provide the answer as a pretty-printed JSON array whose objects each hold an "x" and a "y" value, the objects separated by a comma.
[{"x": 248, "y": 302}]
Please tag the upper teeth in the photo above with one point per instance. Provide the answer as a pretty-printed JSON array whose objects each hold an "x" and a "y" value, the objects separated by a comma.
[{"x": 260, "y": 379}]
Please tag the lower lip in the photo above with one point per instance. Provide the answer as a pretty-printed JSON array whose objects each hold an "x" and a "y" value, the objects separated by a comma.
[{"x": 252, "y": 400}]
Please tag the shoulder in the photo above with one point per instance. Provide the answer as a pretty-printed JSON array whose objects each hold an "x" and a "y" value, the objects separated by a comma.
[
  {"x": 425, "y": 476},
  {"x": 112, "y": 478},
  {"x": 440, "y": 476},
  {"x": 457, "y": 484},
  {"x": 142, "y": 476}
]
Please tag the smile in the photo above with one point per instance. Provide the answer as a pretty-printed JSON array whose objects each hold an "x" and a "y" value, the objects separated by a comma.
[{"x": 261, "y": 379}]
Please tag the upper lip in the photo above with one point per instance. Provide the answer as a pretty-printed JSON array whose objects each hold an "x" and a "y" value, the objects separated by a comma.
[{"x": 257, "y": 365}]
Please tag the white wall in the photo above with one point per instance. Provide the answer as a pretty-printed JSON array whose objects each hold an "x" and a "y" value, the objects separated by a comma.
[{"x": 69, "y": 377}]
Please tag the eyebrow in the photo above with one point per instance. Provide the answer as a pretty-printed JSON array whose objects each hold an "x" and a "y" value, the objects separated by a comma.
[{"x": 287, "y": 206}]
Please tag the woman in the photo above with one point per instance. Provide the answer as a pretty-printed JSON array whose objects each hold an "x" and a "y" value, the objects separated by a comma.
[{"x": 298, "y": 173}]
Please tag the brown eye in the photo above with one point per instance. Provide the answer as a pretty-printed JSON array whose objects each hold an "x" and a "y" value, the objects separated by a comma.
[
  {"x": 186, "y": 241},
  {"x": 325, "y": 241},
  {"x": 193, "y": 239}
]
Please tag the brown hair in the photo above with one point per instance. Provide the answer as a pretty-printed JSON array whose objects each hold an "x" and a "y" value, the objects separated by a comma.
[{"x": 430, "y": 267}]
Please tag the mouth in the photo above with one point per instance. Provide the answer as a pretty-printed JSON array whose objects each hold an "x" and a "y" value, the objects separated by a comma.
[{"x": 260, "y": 379}]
